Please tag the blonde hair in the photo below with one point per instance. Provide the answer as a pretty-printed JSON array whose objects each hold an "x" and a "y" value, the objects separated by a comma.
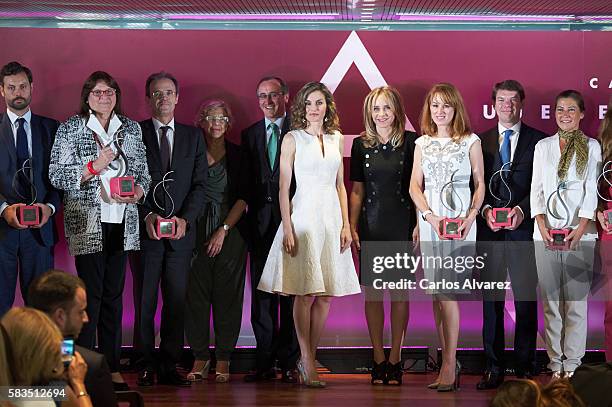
[
  {"x": 6, "y": 375},
  {"x": 36, "y": 343},
  {"x": 331, "y": 122},
  {"x": 369, "y": 136},
  {"x": 460, "y": 125},
  {"x": 605, "y": 134}
]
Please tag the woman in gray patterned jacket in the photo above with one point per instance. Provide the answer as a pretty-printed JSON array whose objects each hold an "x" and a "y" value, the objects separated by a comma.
[{"x": 91, "y": 148}]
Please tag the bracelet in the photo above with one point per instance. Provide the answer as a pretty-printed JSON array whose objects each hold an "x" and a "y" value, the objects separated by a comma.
[
  {"x": 91, "y": 169},
  {"x": 424, "y": 214},
  {"x": 82, "y": 394}
]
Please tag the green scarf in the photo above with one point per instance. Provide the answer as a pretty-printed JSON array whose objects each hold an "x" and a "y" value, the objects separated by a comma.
[{"x": 576, "y": 142}]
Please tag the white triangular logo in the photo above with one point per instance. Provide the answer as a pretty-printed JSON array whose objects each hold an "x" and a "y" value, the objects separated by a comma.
[{"x": 353, "y": 51}]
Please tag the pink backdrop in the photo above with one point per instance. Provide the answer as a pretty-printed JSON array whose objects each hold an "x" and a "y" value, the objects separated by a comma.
[{"x": 228, "y": 64}]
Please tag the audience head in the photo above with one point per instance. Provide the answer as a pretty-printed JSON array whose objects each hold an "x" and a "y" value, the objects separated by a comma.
[
  {"x": 214, "y": 117},
  {"x": 6, "y": 362},
  {"x": 450, "y": 112},
  {"x": 16, "y": 81},
  {"x": 508, "y": 99},
  {"x": 383, "y": 110},
  {"x": 100, "y": 95},
  {"x": 273, "y": 96},
  {"x": 162, "y": 92},
  {"x": 36, "y": 342},
  {"x": 528, "y": 393},
  {"x": 315, "y": 103},
  {"x": 62, "y": 296}
]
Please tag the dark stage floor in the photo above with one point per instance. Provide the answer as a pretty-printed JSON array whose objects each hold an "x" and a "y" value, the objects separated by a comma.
[{"x": 343, "y": 390}]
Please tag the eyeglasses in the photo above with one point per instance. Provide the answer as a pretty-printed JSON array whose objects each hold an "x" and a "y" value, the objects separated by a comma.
[
  {"x": 218, "y": 118},
  {"x": 273, "y": 95},
  {"x": 161, "y": 93},
  {"x": 107, "y": 92}
]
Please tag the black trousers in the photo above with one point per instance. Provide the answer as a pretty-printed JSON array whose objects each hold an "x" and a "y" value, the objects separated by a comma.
[
  {"x": 21, "y": 250},
  {"x": 165, "y": 268},
  {"x": 104, "y": 276},
  {"x": 516, "y": 259},
  {"x": 271, "y": 316}
]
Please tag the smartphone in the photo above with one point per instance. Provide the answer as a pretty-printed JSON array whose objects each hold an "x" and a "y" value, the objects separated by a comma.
[{"x": 67, "y": 350}]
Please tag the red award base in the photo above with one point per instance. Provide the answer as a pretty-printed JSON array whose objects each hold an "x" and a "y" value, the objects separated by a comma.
[
  {"x": 558, "y": 239},
  {"x": 450, "y": 228},
  {"x": 122, "y": 186},
  {"x": 29, "y": 215},
  {"x": 165, "y": 227},
  {"x": 502, "y": 218}
]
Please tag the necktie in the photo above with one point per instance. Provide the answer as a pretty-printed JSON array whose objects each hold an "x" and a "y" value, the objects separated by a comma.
[
  {"x": 505, "y": 148},
  {"x": 272, "y": 144},
  {"x": 23, "y": 154},
  {"x": 164, "y": 149}
]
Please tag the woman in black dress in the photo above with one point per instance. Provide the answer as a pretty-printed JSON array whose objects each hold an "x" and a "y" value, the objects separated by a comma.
[{"x": 381, "y": 210}]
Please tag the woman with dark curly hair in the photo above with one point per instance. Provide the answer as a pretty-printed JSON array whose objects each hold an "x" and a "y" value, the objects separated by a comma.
[
  {"x": 101, "y": 225},
  {"x": 309, "y": 256}
]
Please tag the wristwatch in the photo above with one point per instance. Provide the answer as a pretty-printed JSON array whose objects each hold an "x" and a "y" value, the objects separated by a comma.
[
  {"x": 424, "y": 214},
  {"x": 226, "y": 227}
]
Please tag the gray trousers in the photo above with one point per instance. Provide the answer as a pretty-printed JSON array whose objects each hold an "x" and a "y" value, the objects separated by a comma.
[
  {"x": 216, "y": 283},
  {"x": 565, "y": 280}
]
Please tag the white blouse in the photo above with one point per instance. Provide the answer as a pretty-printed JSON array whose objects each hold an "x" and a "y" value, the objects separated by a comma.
[{"x": 581, "y": 195}]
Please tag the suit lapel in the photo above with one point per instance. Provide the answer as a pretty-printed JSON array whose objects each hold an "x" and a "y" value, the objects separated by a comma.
[
  {"x": 260, "y": 141},
  {"x": 37, "y": 146},
  {"x": 286, "y": 127},
  {"x": 179, "y": 149},
  {"x": 148, "y": 132},
  {"x": 6, "y": 134},
  {"x": 523, "y": 143}
]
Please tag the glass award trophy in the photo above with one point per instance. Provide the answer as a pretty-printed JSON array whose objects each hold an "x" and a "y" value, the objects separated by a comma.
[
  {"x": 606, "y": 170},
  {"x": 450, "y": 226},
  {"x": 501, "y": 214},
  {"x": 165, "y": 227},
  {"x": 558, "y": 235},
  {"x": 123, "y": 185},
  {"x": 28, "y": 214}
]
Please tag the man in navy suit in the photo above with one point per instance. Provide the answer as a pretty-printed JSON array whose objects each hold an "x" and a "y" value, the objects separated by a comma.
[
  {"x": 509, "y": 249},
  {"x": 271, "y": 314},
  {"x": 25, "y": 138},
  {"x": 176, "y": 147}
]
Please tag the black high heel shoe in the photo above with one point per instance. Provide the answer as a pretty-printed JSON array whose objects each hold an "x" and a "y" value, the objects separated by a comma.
[
  {"x": 379, "y": 372},
  {"x": 394, "y": 374},
  {"x": 454, "y": 385}
]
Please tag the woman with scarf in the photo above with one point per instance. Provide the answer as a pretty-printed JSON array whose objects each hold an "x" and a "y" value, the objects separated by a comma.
[
  {"x": 216, "y": 279},
  {"x": 90, "y": 149},
  {"x": 564, "y": 201}
]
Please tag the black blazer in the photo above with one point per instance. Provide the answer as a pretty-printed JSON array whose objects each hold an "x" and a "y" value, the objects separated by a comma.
[
  {"x": 98, "y": 380},
  {"x": 190, "y": 171},
  {"x": 43, "y": 136},
  {"x": 519, "y": 179},
  {"x": 233, "y": 165},
  {"x": 259, "y": 183}
]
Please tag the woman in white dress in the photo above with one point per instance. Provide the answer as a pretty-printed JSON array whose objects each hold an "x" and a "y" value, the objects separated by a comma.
[
  {"x": 447, "y": 151},
  {"x": 309, "y": 257},
  {"x": 564, "y": 276}
]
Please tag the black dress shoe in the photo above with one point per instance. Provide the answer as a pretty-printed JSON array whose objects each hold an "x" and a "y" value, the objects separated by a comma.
[
  {"x": 490, "y": 380},
  {"x": 120, "y": 386},
  {"x": 260, "y": 376},
  {"x": 289, "y": 376},
  {"x": 173, "y": 378},
  {"x": 524, "y": 375},
  {"x": 145, "y": 378}
]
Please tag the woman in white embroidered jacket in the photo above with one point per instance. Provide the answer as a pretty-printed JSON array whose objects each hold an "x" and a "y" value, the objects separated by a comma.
[{"x": 100, "y": 225}]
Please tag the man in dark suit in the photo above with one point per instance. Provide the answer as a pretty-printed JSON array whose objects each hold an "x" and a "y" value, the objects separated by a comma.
[
  {"x": 25, "y": 139},
  {"x": 179, "y": 148},
  {"x": 63, "y": 298},
  {"x": 271, "y": 314},
  {"x": 508, "y": 249}
]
